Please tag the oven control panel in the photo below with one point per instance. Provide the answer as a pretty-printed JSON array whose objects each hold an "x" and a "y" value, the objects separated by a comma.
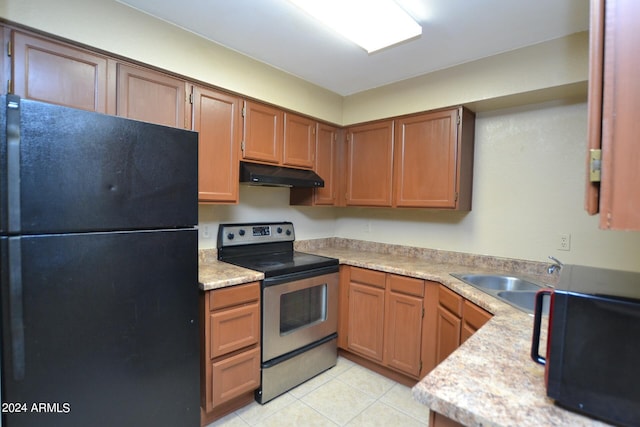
[{"x": 254, "y": 233}]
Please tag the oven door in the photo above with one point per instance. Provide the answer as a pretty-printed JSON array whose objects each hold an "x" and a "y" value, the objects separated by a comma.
[{"x": 298, "y": 311}]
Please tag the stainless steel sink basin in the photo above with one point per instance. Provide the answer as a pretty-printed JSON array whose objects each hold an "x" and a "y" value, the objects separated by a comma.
[
  {"x": 498, "y": 282},
  {"x": 525, "y": 300},
  {"x": 516, "y": 291}
]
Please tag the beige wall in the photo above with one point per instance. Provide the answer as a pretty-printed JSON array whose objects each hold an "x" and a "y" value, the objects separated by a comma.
[{"x": 529, "y": 159}]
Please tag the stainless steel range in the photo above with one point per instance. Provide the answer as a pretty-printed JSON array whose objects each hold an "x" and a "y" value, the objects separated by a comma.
[{"x": 299, "y": 302}]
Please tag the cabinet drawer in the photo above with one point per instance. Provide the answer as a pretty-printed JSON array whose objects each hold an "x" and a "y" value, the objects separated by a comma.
[
  {"x": 475, "y": 316},
  {"x": 406, "y": 285},
  {"x": 234, "y": 328},
  {"x": 450, "y": 300},
  {"x": 235, "y": 375},
  {"x": 234, "y": 295},
  {"x": 369, "y": 277}
]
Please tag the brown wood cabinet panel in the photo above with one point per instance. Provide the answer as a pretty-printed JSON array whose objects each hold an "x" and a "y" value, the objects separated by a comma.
[
  {"x": 425, "y": 169},
  {"x": 448, "y": 327},
  {"x": 369, "y": 277},
  {"x": 263, "y": 133},
  {"x": 439, "y": 420},
  {"x": 5, "y": 69},
  {"x": 370, "y": 164},
  {"x": 234, "y": 328},
  {"x": 299, "y": 141},
  {"x": 235, "y": 375},
  {"x": 230, "y": 348},
  {"x": 619, "y": 196},
  {"x": 326, "y": 164},
  {"x": 473, "y": 318},
  {"x": 403, "y": 332},
  {"x": 405, "y": 285},
  {"x": 450, "y": 300},
  {"x": 151, "y": 96},
  {"x": 216, "y": 118},
  {"x": 343, "y": 306},
  {"x": 366, "y": 320},
  {"x": 62, "y": 74}
]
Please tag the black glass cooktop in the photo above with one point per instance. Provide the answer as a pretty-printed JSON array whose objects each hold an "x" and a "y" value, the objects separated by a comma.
[{"x": 281, "y": 263}]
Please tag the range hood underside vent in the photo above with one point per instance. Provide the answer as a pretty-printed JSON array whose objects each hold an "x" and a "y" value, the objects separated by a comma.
[{"x": 278, "y": 176}]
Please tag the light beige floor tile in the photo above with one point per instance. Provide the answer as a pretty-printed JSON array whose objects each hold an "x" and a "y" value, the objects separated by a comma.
[
  {"x": 338, "y": 401},
  {"x": 253, "y": 413},
  {"x": 341, "y": 366},
  {"x": 231, "y": 420},
  {"x": 296, "y": 415},
  {"x": 310, "y": 385},
  {"x": 400, "y": 398},
  {"x": 367, "y": 381},
  {"x": 382, "y": 415}
]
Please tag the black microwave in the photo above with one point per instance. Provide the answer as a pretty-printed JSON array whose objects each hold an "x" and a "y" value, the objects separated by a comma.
[{"x": 592, "y": 363}]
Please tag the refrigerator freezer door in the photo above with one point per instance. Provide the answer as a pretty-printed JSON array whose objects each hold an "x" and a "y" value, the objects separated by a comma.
[
  {"x": 84, "y": 171},
  {"x": 110, "y": 324}
]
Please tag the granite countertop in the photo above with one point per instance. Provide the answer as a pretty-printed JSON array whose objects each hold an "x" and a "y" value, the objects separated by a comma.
[{"x": 490, "y": 380}]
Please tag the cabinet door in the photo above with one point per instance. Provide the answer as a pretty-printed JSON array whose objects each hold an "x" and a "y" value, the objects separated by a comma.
[
  {"x": 403, "y": 331},
  {"x": 366, "y": 320},
  {"x": 61, "y": 74},
  {"x": 151, "y": 96},
  {"x": 262, "y": 140},
  {"x": 234, "y": 328},
  {"x": 216, "y": 118},
  {"x": 299, "y": 141},
  {"x": 614, "y": 57},
  {"x": 473, "y": 318},
  {"x": 235, "y": 375},
  {"x": 425, "y": 169},
  {"x": 447, "y": 333},
  {"x": 370, "y": 164},
  {"x": 326, "y": 164}
]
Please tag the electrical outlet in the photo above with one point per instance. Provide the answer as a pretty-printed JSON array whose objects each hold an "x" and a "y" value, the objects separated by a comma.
[
  {"x": 205, "y": 231},
  {"x": 564, "y": 242}
]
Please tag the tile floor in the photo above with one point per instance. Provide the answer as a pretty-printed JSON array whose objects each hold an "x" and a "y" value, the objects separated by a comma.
[{"x": 345, "y": 395}]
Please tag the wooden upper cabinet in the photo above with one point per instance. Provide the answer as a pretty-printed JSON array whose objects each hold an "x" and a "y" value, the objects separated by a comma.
[
  {"x": 151, "y": 96},
  {"x": 326, "y": 164},
  {"x": 614, "y": 100},
  {"x": 369, "y": 164},
  {"x": 5, "y": 71},
  {"x": 61, "y": 74},
  {"x": 299, "y": 141},
  {"x": 432, "y": 161},
  {"x": 263, "y": 133},
  {"x": 216, "y": 118}
]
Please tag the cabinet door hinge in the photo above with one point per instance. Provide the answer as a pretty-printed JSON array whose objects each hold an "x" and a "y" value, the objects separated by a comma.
[
  {"x": 191, "y": 98},
  {"x": 420, "y": 369},
  {"x": 456, "y": 198},
  {"x": 458, "y": 118},
  {"x": 595, "y": 164},
  {"x": 422, "y": 316},
  {"x": 244, "y": 111},
  {"x": 9, "y": 48},
  {"x": 242, "y": 146}
]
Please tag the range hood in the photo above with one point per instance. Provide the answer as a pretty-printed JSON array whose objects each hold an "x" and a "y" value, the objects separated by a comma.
[{"x": 278, "y": 176}]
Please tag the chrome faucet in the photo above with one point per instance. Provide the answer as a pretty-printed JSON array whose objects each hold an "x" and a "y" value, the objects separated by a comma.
[{"x": 557, "y": 265}]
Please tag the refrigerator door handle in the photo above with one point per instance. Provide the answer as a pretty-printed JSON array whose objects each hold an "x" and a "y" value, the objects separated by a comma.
[
  {"x": 16, "y": 317},
  {"x": 13, "y": 164}
]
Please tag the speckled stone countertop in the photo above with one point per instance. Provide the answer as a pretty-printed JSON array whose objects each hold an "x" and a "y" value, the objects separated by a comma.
[
  {"x": 490, "y": 380},
  {"x": 214, "y": 274}
]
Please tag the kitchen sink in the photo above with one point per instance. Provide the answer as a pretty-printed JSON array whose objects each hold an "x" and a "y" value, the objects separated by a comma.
[
  {"x": 516, "y": 291},
  {"x": 498, "y": 282}
]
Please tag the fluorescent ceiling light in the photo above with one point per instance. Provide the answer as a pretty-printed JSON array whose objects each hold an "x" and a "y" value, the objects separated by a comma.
[{"x": 372, "y": 24}]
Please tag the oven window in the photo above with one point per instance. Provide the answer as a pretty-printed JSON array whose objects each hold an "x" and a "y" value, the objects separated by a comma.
[{"x": 303, "y": 308}]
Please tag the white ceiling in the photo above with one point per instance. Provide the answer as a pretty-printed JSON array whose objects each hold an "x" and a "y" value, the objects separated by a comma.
[{"x": 454, "y": 31}]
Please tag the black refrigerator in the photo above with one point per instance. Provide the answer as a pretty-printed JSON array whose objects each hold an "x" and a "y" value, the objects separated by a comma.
[{"x": 99, "y": 269}]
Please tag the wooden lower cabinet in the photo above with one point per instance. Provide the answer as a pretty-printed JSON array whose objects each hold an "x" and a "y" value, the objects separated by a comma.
[
  {"x": 439, "y": 420},
  {"x": 385, "y": 319},
  {"x": 400, "y": 326},
  {"x": 458, "y": 319},
  {"x": 230, "y": 347}
]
